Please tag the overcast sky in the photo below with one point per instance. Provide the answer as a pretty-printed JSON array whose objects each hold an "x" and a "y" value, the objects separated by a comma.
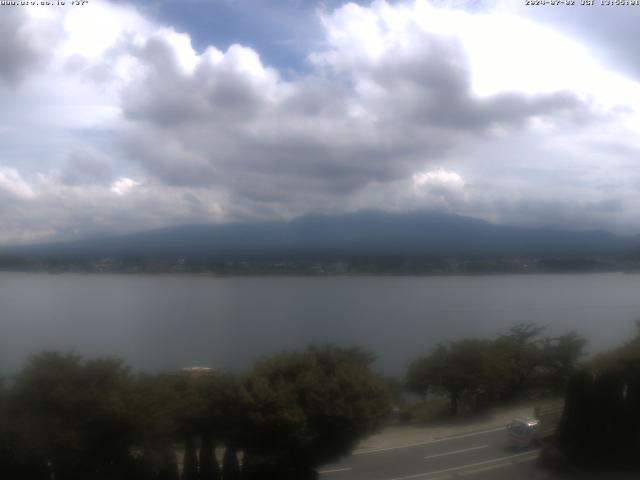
[{"x": 122, "y": 116}]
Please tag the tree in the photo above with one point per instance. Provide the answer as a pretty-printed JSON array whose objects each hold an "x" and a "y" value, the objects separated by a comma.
[
  {"x": 575, "y": 431},
  {"x": 190, "y": 461},
  {"x": 156, "y": 406},
  {"x": 477, "y": 373},
  {"x": 600, "y": 425},
  {"x": 168, "y": 465},
  {"x": 217, "y": 405},
  {"x": 209, "y": 468},
  {"x": 230, "y": 466},
  {"x": 311, "y": 407},
  {"x": 559, "y": 358},
  {"x": 626, "y": 353},
  {"x": 17, "y": 458},
  {"x": 75, "y": 415},
  {"x": 459, "y": 369},
  {"x": 225, "y": 407},
  {"x": 175, "y": 408},
  {"x": 523, "y": 347}
]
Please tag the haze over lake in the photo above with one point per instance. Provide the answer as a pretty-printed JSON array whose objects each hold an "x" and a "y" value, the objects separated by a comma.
[{"x": 167, "y": 322}]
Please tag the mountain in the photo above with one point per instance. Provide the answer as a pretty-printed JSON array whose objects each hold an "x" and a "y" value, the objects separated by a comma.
[{"x": 353, "y": 235}]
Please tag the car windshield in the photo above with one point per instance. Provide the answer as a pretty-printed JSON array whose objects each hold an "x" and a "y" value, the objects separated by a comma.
[{"x": 519, "y": 428}]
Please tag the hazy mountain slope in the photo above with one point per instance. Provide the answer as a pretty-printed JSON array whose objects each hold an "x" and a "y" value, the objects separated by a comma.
[{"x": 348, "y": 235}]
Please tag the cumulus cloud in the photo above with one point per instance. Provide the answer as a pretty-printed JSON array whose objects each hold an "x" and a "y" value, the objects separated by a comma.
[
  {"x": 387, "y": 95},
  {"x": 402, "y": 106},
  {"x": 439, "y": 179},
  {"x": 124, "y": 185},
  {"x": 12, "y": 183}
]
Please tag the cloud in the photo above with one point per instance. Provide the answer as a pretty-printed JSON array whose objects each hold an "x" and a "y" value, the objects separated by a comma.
[
  {"x": 21, "y": 48},
  {"x": 86, "y": 168},
  {"x": 402, "y": 106},
  {"x": 441, "y": 179},
  {"x": 124, "y": 185},
  {"x": 12, "y": 183},
  {"x": 386, "y": 97},
  {"x": 606, "y": 31},
  {"x": 49, "y": 209}
]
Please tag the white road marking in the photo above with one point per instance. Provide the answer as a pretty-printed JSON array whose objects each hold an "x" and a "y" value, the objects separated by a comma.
[
  {"x": 464, "y": 467},
  {"x": 475, "y": 471},
  {"x": 455, "y": 451},
  {"x": 487, "y": 468},
  {"x": 428, "y": 442},
  {"x": 335, "y": 470}
]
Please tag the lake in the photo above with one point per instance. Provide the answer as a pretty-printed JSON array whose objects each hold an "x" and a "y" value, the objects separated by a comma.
[{"x": 167, "y": 322}]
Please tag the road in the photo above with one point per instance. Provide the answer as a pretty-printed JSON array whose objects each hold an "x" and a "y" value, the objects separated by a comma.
[{"x": 480, "y": 456}]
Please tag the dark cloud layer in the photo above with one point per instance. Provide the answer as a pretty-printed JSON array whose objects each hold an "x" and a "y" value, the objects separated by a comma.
[
  {"x": 18, "y": 54},
  {"x": 86, "y": 168}
]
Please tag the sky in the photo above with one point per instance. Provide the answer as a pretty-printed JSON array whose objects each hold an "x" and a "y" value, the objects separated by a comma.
[{"x": 119, "y": 116}]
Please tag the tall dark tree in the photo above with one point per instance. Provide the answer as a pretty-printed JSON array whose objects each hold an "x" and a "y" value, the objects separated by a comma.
[
  {"x": 190, "y": 460},
  {"x": 576, "y": 433},
  {"x": 600, "y": 426},
  {"x": 230, "y": 465},
  {"x": 209, "y": 468},
  {"x": 168, "y": 468},
  {"x": 632, "y": 411},
  {"x": 18, "y": 457}
]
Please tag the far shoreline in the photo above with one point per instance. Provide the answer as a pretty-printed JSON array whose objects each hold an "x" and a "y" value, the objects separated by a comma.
[{"x": 353, "y": 275}]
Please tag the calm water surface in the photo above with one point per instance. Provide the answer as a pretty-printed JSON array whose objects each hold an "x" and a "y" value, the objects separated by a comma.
[{"x": 166, "y": 322}]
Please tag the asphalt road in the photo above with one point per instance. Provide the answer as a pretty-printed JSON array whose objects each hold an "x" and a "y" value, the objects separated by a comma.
[{"x": 480, "y": 456}]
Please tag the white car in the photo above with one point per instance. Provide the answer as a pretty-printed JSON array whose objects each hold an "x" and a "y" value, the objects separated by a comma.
[{"x": 523, "y": 432}]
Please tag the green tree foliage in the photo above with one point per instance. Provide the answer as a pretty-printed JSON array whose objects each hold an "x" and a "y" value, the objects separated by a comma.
[
  {"x": 157, "y": 407},
  {"x": 477, "y": 373},
  {"x": 625, "y": 354},
  {"x": 559, "y": 357},
  {"x": 522, "y": 348},
  {"x": 311, "y": 407},
  {"x": 70, "y": 419},
  {"x": 156, "y": 404},
  {"x": 462, "y": 370},
  {"x": 75, "y": 415},
  {"x": 225, "y": 406}
]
